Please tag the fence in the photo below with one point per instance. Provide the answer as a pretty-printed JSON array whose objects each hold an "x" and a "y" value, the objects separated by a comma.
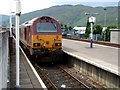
[{"x": 3, "y": 58}]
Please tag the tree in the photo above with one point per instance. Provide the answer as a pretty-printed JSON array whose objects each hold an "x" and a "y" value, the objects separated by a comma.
[
  {"x": 107, "y": 32},
  {"x": 66, "y": 28},
  {"x": 70, "y": 28},
  {"x": 87, "y": 31},
  {"x": 97, "y": 29},
  {"x": 61, "y": 25}
]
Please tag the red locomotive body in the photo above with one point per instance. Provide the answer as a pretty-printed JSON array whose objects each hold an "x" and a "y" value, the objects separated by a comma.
[{"x": 41, "y": 35}]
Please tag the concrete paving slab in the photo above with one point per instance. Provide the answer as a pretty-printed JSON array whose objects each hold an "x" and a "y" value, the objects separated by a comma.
[{"x": 27, "y": 77}]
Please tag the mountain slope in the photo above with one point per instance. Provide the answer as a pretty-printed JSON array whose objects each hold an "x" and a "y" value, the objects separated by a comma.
[
  {"x": 4, "y": 20},
  {"x": 73, "y": 14}
]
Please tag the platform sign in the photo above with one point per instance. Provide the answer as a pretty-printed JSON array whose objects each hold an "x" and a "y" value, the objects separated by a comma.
[{"x": 92, "y": 19}]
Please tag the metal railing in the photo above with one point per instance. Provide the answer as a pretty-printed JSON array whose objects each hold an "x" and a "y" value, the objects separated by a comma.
[{"x": 3, "y": 58}]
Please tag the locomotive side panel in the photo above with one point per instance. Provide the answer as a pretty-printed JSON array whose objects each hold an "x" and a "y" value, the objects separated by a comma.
[{"x": 25, "y": 36}]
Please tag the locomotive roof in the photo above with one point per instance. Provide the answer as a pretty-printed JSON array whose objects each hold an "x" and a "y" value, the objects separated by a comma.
[{"x": 29, "y": 23}]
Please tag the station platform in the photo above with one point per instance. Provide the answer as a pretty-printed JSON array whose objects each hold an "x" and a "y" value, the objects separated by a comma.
[
  {"x": 104, "y": 57},
  {"x": 28, "y": 77}
]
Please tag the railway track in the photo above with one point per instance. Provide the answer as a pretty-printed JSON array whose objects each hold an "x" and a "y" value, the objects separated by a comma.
[
  {"x": 96, "y": 42},
  {"x": 56, "y": 78},
  {"x": 83, "y": 78}
]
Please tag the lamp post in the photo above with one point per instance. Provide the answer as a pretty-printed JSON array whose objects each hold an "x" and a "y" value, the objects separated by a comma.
[
  {"x": 105, "y": 23},
  {"x": 18, "y": 12},
  {"x": 92, "y": 20},
  {"x": 10, "y": 20},
  {"x": 10, "y": 25},
  {"x": 105, "y": 17}
]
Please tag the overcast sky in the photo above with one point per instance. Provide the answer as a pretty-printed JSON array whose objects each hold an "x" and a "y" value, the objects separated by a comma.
[{"x": 32, "y": 5}]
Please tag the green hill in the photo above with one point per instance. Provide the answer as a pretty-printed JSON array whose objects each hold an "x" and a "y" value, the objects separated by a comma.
[
  {"x": 75, "y": 14},
  {"x": 4, "y": 20}
]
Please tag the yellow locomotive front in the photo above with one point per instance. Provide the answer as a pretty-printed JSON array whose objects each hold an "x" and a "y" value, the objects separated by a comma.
[{"x": 46, "y": 36}]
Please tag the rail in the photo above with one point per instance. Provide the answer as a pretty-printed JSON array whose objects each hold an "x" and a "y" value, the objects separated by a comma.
[
  {"x": 96, "y": 42},
  {"x": 87, "y": 87},
  {"x": 55, "y": 76},
  {"x": 45, "y": 78}
]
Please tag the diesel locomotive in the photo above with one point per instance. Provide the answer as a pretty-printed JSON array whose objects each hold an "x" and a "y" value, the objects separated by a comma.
[{"x": 41, "y": 35}]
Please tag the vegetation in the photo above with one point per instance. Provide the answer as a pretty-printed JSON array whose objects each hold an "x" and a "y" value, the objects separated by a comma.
[
  {"x": 97, "y": 29},
  {"x": 70, "y": 27},
  {"x": 66, "y": 28},
  {"x": 106, "y": 33},
  {"x": 74, "y": 15},
  {"x": 87, "y": 31}
]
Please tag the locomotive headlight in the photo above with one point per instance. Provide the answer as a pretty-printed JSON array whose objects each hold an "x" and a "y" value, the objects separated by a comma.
[
  {"x": 58, "y": 44},
  {"x": 36, "y": 44}
]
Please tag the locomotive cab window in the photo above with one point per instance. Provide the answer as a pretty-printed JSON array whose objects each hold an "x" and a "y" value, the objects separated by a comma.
[{"x": 46, "y": 27}]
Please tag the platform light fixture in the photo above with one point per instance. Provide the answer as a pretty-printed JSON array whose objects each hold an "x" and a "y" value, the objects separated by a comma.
[
  {"x": 105, "y": 9},
  {"x": 18, "y": 13}
]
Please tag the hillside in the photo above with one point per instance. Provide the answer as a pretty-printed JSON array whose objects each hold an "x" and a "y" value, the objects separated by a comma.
[
  {"x": 75, "y": 14},
  {"x": 4, "y": 20}
]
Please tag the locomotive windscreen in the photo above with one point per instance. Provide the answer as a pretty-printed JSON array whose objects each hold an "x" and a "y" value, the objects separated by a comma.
[{"x": 46, "y": 27}]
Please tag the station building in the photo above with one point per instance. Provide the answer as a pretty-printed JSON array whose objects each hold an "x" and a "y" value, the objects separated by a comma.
[{"x": 115, "y": 36}]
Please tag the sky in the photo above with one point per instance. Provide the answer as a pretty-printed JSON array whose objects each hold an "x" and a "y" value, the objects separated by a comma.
[{"x": 32, "y": 5}]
